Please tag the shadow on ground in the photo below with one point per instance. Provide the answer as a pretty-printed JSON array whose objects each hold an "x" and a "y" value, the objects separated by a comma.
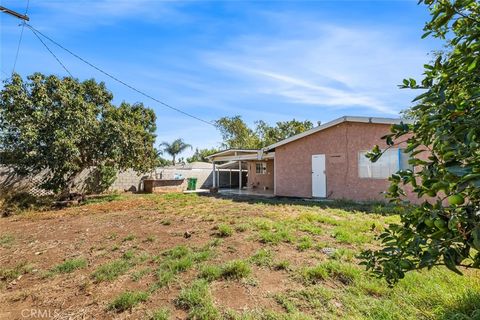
[{"x": 376, "y": 207}]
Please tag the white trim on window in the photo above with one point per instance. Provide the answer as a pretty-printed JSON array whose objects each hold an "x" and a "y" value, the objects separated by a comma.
[
  {"x": 260, "y": 167},
  {"x": 388, "y": 164}
]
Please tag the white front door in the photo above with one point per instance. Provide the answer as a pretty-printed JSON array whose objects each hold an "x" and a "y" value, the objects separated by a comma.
[{"x": 319, "y": 180}]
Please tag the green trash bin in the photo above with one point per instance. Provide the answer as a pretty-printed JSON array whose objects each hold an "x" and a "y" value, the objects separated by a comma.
[{"x": 191, "y": 183}]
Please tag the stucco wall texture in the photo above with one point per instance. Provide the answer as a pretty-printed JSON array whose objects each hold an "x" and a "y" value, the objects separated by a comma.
[
  {"x": 260, "y": 181},
  {"x": 341, "y": 145}
]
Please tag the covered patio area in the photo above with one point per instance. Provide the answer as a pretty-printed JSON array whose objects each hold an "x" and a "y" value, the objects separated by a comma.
[{"x": 255, "y": 171}]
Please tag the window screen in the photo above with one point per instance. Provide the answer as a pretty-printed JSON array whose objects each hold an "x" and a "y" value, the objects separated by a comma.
[
  {"x": 261, "y": 167},
  {"x": 388, "y": 164}
]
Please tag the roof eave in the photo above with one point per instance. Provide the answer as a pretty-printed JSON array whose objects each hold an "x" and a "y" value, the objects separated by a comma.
[{"x": 374, "y": 120}]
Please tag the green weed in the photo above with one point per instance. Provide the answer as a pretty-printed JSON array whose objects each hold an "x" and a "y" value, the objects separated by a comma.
[
  {"x": 127, "y": 300},
  {"x": 130, "y": 237},
  {"x": 111, "y": 271},
  {"x": 160, "y": 314},
  {"x": 70, "y": 265},
  {"x": 196, "y": 299},
  {"x": 6, "y": 240},
  {"x": 224, "y": 230},
  {"x": 262, "y": 258},
  {"x": 9, "y": 274},
  {"x": 304, "y": 243}
]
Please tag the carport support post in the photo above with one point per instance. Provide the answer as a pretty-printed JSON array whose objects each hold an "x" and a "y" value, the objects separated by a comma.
[
  {"x": 239, "y": 175},
  {"x": 214, "y": 175}
]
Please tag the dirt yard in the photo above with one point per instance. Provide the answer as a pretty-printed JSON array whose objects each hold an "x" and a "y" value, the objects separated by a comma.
[{"x": 197, "y": 257}]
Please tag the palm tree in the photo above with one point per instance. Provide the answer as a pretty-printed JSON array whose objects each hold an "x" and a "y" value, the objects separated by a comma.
[{"x": 175, "y": 148}]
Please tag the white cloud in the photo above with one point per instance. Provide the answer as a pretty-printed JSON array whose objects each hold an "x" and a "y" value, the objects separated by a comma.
[
  {"x": 335, "y": 67},
  {"x": 303, "y": 91}
]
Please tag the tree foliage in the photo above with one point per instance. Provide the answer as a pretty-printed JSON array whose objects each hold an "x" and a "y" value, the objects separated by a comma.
[
  {"x": 64, "y": 126},
  {"x": 175, "y": 148},
  {"x": 236, "y": 133},
  {"x": 161, "y": 161},
  {"x": 202, "y": 154},
  {"x": 282, "y": 130},
  {"x": 444, "y": 141}
]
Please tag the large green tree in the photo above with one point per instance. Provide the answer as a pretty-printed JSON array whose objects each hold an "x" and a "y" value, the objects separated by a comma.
[
  {"x": 444, "y": 141},
  {"x": 61, "y": 126},
  {"x": 202, "y": 154},
  {"x": 237, "y": 134},
  {"x": 282, "y": 130},
  {"x": 175, "y": 148}
]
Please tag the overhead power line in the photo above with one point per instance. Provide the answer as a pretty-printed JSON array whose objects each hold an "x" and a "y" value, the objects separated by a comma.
[
  {"x": 21, "y": 37},
  {"x": 53, "y": 54},
  {"x": 35, "y": 31}
]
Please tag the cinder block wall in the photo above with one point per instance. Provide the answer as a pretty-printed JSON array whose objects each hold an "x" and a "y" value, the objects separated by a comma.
[{"x": 128, "y": 180}]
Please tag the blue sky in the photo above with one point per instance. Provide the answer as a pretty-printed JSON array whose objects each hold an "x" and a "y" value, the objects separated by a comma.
[{"x": 263, "y": 60}]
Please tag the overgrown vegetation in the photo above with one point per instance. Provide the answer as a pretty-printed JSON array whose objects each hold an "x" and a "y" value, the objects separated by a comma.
[
  {"x": 17, "y": 202},
  {"x": 314, "y": 276},
  {"x": 443, "y": 141}
]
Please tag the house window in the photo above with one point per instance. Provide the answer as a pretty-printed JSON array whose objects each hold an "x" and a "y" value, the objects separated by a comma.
[
  {"x": 389, "y": 163},
  {"x": 261, "y": 168}
]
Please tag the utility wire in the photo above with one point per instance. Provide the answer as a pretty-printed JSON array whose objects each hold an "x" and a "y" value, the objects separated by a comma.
[
  {"x": 35, "y": 31},
  {"x": 51, "y": 52},
  {"x": 21, "y": 37}
]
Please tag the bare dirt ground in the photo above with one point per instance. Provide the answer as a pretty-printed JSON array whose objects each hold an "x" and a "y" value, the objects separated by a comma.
[{"x": 139, "y": 229}]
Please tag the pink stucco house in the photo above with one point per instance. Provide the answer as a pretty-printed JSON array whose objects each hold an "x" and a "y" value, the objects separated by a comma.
[{"x": 325, "y": 162}]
